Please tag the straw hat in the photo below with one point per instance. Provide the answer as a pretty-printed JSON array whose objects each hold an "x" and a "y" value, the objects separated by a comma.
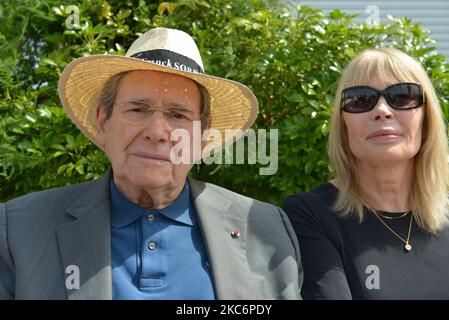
[{"x": 233, "y": 105}]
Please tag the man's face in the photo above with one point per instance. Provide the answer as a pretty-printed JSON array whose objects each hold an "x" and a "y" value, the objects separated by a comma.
[{"x": 136, "y": 140}]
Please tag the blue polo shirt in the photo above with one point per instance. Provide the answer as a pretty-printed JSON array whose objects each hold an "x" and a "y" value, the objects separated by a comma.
[{"x": 158, "y": 254}]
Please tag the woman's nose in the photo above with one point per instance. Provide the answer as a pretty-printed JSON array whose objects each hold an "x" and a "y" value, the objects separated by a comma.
[{"x": 382, "y": 110}]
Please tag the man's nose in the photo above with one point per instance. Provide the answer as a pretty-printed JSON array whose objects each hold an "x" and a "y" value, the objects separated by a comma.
[
  {"x": 157, "y": 128},
  {"x": 382, "y": 110}
]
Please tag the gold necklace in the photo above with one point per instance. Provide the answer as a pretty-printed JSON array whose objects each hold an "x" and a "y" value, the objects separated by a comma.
[
  {"x": 407, "y": 246},
  {"x": 393, "y": 218}
]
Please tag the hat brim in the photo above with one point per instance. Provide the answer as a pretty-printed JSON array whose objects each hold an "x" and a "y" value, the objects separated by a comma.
[{"x": 233, "y": 105}]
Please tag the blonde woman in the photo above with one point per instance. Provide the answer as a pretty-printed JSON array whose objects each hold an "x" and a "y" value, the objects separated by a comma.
[{"x": 379, "y": 228}]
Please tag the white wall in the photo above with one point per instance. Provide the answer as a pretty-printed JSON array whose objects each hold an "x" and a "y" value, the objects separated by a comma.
[{"x": 433, "y": 15}]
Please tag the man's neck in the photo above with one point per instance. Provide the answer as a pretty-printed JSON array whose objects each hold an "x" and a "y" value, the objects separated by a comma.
[{"x": 149, "y": 197}]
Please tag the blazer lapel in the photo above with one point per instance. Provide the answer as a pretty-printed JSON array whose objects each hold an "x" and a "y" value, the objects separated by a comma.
[
  {"x": 227, "y": 254},
  {"x": 85, "y": 244}
]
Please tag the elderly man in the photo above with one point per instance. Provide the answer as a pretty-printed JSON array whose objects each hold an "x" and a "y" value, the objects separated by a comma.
[{"x": 146, "y": 230}]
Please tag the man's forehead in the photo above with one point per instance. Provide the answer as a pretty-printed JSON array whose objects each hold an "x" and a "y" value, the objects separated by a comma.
[{"x": 147, "y": 86}]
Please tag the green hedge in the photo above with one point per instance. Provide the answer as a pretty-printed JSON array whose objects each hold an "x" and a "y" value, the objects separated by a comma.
[{"x": 291, "y": 62}]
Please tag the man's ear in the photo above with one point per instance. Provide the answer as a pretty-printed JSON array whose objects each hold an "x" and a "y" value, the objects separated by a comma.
[{"x": 101, "y": 120}]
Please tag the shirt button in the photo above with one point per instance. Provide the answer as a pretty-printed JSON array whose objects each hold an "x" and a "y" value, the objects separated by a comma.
[
  {"x": 152, "y": 245},
  {"x": 150, "y": 217}
]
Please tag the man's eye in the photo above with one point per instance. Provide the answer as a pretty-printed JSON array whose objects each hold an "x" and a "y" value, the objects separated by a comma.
[
  {"x": 136, "y": 109},
  {"x": 177, "y": 115},
  {"x": 136, "y": 106}
]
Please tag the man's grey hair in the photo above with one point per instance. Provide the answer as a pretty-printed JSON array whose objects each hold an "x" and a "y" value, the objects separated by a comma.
[{"x": 109, "y": 93}]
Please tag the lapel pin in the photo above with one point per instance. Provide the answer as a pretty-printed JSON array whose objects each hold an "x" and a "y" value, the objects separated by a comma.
[{"x": 235, "y": 234}]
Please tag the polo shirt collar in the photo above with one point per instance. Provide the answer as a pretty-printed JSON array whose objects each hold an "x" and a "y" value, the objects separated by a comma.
[
  {"x": 181, "y": 210},
  {"x": 125, "y": 212}
]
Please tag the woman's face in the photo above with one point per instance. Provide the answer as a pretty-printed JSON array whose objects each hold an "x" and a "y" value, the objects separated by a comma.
[{"x": 384, "y": 135}]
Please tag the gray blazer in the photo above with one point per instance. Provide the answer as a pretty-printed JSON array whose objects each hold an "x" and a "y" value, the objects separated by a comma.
[{"x": 43, "y": 233}]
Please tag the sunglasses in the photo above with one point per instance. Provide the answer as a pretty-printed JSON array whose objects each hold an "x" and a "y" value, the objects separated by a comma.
[{"x": 399, "y": 96}]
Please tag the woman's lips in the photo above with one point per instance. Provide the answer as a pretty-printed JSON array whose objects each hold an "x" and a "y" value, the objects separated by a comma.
[{"x": 384, "y": 133}]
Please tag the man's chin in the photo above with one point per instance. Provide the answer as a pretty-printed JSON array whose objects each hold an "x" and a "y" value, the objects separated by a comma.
[{"x": 153, "y": 180}]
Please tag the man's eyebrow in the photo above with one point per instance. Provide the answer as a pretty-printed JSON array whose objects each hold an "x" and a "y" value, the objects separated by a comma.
[
  {"x": 140, "y": 100},
  {"x": 180, "y": 106}
]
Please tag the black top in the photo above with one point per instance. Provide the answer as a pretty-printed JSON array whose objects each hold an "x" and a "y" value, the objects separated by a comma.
[{"x": 345, "y": 259}]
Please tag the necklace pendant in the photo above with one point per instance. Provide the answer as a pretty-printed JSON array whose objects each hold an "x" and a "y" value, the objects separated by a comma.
[{"x": 407, "y": 247}]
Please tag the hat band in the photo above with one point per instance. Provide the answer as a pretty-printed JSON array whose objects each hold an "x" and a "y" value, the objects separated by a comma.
[{"x": 169, "y": 59}]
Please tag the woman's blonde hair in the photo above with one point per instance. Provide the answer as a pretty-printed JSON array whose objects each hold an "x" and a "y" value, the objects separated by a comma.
[{"x": 430, "y": 181}]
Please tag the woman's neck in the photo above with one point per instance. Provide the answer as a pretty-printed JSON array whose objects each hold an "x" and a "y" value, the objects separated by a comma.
[{"x": 386, "y": 187}]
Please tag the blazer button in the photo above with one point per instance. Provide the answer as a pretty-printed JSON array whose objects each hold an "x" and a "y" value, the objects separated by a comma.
[{"x": 152, "y": 245}]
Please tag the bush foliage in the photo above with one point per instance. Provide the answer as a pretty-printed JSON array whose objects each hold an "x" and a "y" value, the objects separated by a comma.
[{"x": 291, "y": 61}]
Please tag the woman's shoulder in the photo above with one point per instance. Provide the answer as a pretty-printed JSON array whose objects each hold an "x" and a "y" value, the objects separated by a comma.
[
  {"x": 312, "y": 211},
  {"x": 324, "y": 193},
  {"x": 318, "y": 201}
]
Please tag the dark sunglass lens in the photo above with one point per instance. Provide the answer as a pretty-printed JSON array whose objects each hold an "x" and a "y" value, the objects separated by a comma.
[
  {"x": 358, "y": 99},
  {"x": 404, "y": 96}
]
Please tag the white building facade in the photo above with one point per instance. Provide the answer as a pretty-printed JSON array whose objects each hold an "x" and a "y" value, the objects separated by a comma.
[{"x": 433, "y": 15}]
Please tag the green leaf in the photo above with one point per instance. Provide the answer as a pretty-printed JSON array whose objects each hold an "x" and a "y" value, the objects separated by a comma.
[
  {"x": 80, "y": 168},
  {"x": 70, "y": 141},
  {"x": 315, "y": 104},
  {"x": 49, "y": 62},
  {"x": 58, "y": 147},
  {"x": 62, "y": 169},
  {"x": 166, "y": 6},
  {"x": 307, "y": 110},
  {"x": 293, "y": 97},
  {"x": 57, "y": 154},
  {"x": 123, "y": 14}
]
